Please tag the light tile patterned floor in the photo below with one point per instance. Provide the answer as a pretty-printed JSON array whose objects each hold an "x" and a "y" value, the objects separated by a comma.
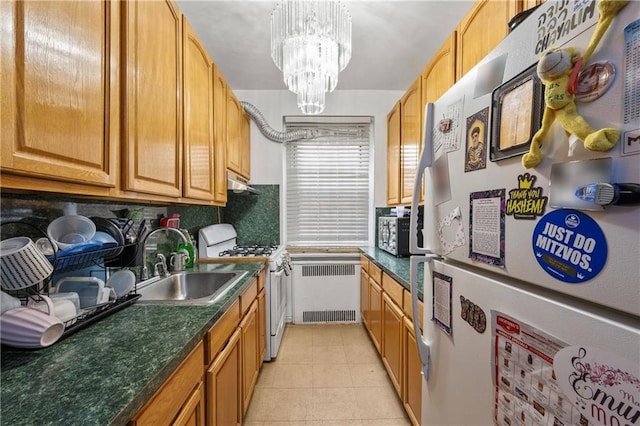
[{"x": 325, "y": 375}]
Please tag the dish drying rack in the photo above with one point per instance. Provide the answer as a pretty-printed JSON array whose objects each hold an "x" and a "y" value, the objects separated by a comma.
[{"x": 87, "y": 315}]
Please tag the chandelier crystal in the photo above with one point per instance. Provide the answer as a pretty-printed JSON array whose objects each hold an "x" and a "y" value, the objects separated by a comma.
[{"x": 310, "y": 44}]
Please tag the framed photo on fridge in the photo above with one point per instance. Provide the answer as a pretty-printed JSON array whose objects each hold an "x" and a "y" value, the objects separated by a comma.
[{"x": 516, "y": 114}]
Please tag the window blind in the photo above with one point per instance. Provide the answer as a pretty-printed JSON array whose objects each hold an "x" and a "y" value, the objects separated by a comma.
[{"x": 328, "y": 185}]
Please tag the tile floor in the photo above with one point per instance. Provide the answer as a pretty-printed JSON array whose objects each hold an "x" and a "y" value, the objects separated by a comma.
[{"x": 325, "y": 375}]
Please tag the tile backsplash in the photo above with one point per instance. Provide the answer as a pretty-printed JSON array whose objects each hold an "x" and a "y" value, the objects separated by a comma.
[{"x": 256, "y": 217}]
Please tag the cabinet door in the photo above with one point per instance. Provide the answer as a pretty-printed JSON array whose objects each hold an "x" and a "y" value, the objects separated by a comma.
[
  {"x": 245, "y": 138},
  {"x": 250, "y": 335},
  {"x": 364, "y": 298},
  {"x": 482, "y": 29},
  {"x": 224, "y": 403},
  {"x": 440, "y": 73},
  {"x": 234, "y": 134},
  {"x": 410, "y": 139},
  {"x": 393, "y": 156},
  {"x": 153, "y": 106},
  {"x": 198, "y": 111},
  {"x": 262, "y": 322},
  {"x": 59, "y": 85},
  {"x": 412, "y": 395},
  {"x": 175, "y": 399},
  {"x": 192, "y": 412},
  {"x": 220, "y": 131},
  {"x": 375, "y": 313},
  {"x": 392, "y": 341}
]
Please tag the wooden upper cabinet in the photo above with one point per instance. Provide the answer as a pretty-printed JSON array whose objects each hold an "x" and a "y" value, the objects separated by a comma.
[
  {"x": 393, "y": 156},
  {"x": 245, "y": 139},
  {"x": 440, "y": 73},
  {"x": 238, "y": 137},
  {"x": 59, "y": 85},
  {"x": 152, "y": 32},
  {"x": 482, "y": 29},
  {"x": 220, "y": 138},
  {"x": 198, "y": 107},
  {"x": 410, "y": 138},
  {"x": 234, "y": 135}
]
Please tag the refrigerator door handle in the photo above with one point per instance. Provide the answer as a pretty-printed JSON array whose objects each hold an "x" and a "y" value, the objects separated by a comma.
[
  {"x": 423, "y": 345},
  {"x": 426, "y": 158}
]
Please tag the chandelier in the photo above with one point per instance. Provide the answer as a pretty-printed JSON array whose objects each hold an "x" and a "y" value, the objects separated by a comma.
[{"x": 310, "y": 44}]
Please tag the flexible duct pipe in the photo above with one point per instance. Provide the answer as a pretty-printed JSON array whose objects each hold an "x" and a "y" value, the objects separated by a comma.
[{"x": 273, "y": 134}]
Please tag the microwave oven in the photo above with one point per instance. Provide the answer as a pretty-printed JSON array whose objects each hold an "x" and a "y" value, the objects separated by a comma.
[{"x": 393, "y": 235}]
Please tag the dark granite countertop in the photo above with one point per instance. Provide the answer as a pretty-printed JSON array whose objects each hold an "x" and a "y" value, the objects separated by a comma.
[
  {"x": 397, "y": 267},
  {"x": 106, "y": 372}
]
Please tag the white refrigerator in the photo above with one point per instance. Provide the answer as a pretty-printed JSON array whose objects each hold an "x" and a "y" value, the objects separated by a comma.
[{"x": 532, "y": 294}]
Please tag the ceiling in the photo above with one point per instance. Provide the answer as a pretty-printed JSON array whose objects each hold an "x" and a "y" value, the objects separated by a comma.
[{"x": 392, "y": 40}]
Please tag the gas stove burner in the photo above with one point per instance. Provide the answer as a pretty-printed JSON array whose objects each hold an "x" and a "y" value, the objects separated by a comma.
[{"x": 253, "y": 250}]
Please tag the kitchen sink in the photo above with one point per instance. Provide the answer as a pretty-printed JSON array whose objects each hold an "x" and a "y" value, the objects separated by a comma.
[{"x": 196, "y": 288}]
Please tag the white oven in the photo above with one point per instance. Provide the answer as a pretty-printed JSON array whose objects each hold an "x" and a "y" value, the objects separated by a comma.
[
  {"x": 219, "y": 241},
  {"x": 277, "y": 286}
]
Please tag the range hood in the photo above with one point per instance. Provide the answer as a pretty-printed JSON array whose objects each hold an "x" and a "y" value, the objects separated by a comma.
[{"x": 238, "y": 184}]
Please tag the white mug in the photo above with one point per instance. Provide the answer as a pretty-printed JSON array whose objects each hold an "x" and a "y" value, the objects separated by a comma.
[
  {"x": 30, "y": 328},
  {"x": 63, "y": 309},
  {"x": 179, "y": 260}
]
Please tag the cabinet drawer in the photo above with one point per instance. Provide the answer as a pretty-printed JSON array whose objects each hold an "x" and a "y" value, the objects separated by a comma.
[
  {"x": 247, "y": 298},
  {"x": 169, "y": 399},
  {"x": 221, "y": 331},
  {"x": 408, "y": 308},
  {"x": 364, "y": 263},
  {"x": 393, "y": 289},
  {"x": 375, "y": 272}
]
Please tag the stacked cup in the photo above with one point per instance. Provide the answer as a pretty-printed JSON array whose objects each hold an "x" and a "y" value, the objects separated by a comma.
[{"x": 22, "y": 265}]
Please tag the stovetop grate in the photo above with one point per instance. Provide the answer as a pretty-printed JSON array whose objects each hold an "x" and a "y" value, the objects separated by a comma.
[{"x": 253, "y": 250}]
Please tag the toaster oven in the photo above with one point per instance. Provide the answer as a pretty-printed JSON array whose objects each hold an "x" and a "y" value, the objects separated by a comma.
[{"x": 393, "y": 235}]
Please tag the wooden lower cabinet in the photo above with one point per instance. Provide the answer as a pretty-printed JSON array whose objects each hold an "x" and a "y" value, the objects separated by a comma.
[
  {"x": 192, "y": 413},
  {"x": 387, "y": 316},
  {"x": 223, "y": 385},
  {"x": 375, "y": 313},
  {"x": 214, "y": 384},
  {"x": 180, "y": 399},
  {"x": 412, "y": 374},
  {"x": 262, "y": 327},
  {"x": 237, "y": 343},
  {"x": 364, "y": 297},
  {"x": 392, "y": 341},
  {"x": 250, "y": 363}
]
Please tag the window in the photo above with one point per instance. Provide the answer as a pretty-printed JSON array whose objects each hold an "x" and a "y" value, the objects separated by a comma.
[{"x": 328, "y": 182}]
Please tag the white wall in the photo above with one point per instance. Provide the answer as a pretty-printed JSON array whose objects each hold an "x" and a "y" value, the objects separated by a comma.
[{"x": 266, "y": 156}]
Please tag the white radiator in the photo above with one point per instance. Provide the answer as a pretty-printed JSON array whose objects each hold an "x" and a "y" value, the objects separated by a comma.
[{"x": 326, "y": 288}]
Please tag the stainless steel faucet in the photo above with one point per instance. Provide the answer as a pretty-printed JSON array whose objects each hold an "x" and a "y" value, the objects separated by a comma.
[
  {"x": 145, "y": 271},
  {"x": 163, "y": 264}
]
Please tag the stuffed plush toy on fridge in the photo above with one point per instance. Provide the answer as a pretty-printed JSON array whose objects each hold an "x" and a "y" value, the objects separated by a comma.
[{"x": 558, "y": 69}]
